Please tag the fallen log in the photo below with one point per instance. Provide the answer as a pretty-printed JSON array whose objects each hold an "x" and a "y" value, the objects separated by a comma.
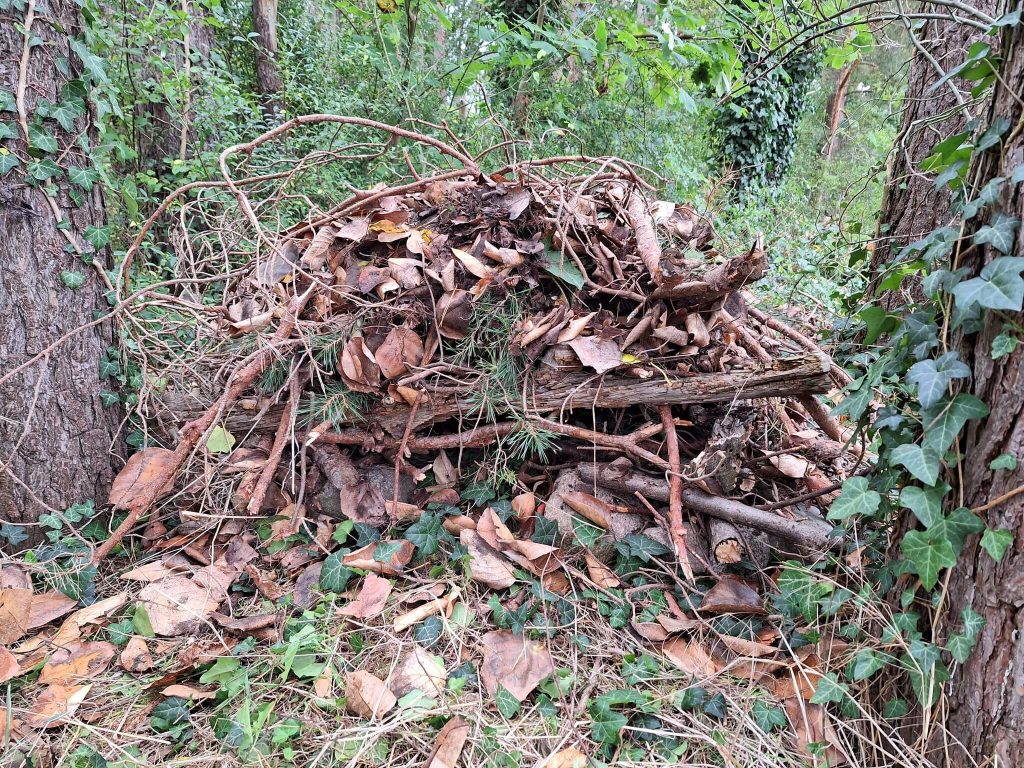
[
  {"x": 549, "y": 392},
  {"x": 809, "y": 534}
]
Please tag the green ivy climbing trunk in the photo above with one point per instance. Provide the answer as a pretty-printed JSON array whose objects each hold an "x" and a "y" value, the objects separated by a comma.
[
  {"x": 912, "y": 205},
  {"x": 56, "y": 436},
  {"x": 986, "y": 696}
]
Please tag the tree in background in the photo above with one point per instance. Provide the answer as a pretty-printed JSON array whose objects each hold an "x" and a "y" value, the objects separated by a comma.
[
  {"x": 268, "y": 76},
  {"x": 56, "y": 436}
]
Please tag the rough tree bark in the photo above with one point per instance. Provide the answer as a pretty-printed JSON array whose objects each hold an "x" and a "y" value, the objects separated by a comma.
[
  {"x": 986, "y": 697},
  {"x": 55, "y": 435},
  {"x": 912, "y": 206},
  {"x": 837, "y": 108},
  {"x": 268, "y": 77}
]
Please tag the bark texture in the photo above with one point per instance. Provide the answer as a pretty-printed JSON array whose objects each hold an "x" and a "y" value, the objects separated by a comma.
[
  {"x": 268, "y": 77},
  {"x": 912, "y": 206},
  {"x": 55, "y": 434},
  {"x": 836, "y": 109},
  {"x": 986, "y": 697}
]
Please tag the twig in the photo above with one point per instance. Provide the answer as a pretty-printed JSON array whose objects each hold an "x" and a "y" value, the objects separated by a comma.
[
  {"x": 675, "y": 491},
  {"x": 284, "y": 429},
  {"x": 400, "y": 456}
]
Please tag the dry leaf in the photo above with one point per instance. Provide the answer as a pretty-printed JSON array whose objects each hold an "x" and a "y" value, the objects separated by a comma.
[
  {"x": 525, "y": 506},
  {"x": 600, "y": 573},
  {"x": 597, "y": 353},
  {"x": 513, "y": 662},
  {"x": 188, "y": 692},
  {"x": 144, "y": 474},
  {"x": 9, "y": 667},
  {"x": 731, "y": 595},
  {"x": 154, "y": 571},
  {"x": 418, "y": 671},
  {"x": 811, "y": 726},
  {"x": 590, "y": 507},
  {"x": 177, "y": 605},
  {"x": 55, "y": 704},
  {"x": 575, "y": 328},
  {"x": 47, "y": 606},
  {"x": 15, "y": 609},
  {"x": 486, "y": 565},
  {"x": 448, "y": 745},
  {"x": 402, "y": 349},
  {"x": 76, "y": 661},
  {"x": 420, "y": 612},
  {"x": 472, "y": 264},
  {"x": 650, "y": 630},
  {"x": 366, "y": 696},
  {"x": 136, "y": 656},
  {"x": 566, "y": 758},
  {"x": 99, "y": 611},
  {"x": 370, "y": 601},
  {"x": 363, "y": 558},
  {"x": 690, "y": 657},
  {"x": 791, "y": 466}
]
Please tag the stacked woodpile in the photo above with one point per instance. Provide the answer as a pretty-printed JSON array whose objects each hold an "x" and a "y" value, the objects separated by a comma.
[{"x": 551, "y": 328}]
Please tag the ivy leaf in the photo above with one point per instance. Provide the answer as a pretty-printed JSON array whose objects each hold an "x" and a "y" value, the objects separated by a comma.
[
  {"x": 170, "y": 712},
  {"x": 960, "y": 647},
  {"x": 426, "y": 533},
  {"x": 42, "y": 139},
  {"x": 957, "y": 526},
  {"x": 996, "y": 542},
  {"x": 7, "y": 131},
  {"x": 829, "y": 690},
  {"x": 866, "y": 663},
  {"x": 998, "y": 233},
  {"x": 999, "y": 286},
  {"x": 15, "y": 534},
  {"x": 66, "y": 112},
  {"x": 1004, "y": 461},
  {"x": 605, "y": 723},
  {"x": 333, "y": 575},
  {"x": 768, "y": 716},
  {"x": 7, "y": 101},
  {"x": 385, "y": 551},
  {"x": 92, "y": 63},
  {"x": 926, "y": 504},
  {"x": 641, "y": 546},
  {"x": 921, "y": 463},
  {"x": 73, "y": 280},
  {"x": 544, "y": 530},
  {"x": 83, "y": 177},
  {"x": 932, "y": 377},
  {"x": 942, "y": 425},
  {"x": 928, "y": 555},
  {"x": 587, "y": 534},
  {"x": 8, "y": 162},
  {"x": 973, "y": 622},
  {"x": 1002, "y": 345},
  {"x": 856, "y": 499},
  {"x": 508, "y": 704}
]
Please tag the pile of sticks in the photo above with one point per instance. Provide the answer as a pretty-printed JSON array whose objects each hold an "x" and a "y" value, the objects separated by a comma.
[{"x": 550, "y": 325}]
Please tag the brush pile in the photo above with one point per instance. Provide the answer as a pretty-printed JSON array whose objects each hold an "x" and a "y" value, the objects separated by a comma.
[{"x": 550, "y": 329}]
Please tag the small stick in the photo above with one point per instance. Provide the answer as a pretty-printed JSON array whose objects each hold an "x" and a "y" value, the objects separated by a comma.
[
  {"x": 400, "y": 456},
  {"x": 675, "y": 491},
  {"x": 284, "y": 429},
  {"x": 841, "y": 376}
]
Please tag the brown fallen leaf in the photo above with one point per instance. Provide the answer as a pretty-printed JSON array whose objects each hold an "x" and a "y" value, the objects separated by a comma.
[
  {"x": 650, "y": 630},
  {"x": 600, "y": 573},
  {"x": 429, "y": 608},
  {"x": 513, "y": 662},
  {"x": 594, "y": 352},
  {"x": 9, "y": 667},
  {"x": 136, "y": 656},
  {"x": 395, "y": 564},
  {"x": 307, "y": 585},
  {"x": 448, "y": 745},
  {"x": 265, "y": 583},
  {"x": 370, "y": 601},
  {"x": 811, "y": 726},
  {"x": 15, "y": 608},
  {"x": 100, "y": 611},
  {"x": 367, "y": 696},
  {"x": 525, "y": 506},
  {"x": 690, "y": 657},
  {"x": 188, "y": 692},
  {"x": 486, "y": 565},
  {"x": 457, "y": 524},
  {"x": 145, "y": 474},
  {"x": 148, "y": 572},
  {"x": 744, "y": 647},
  {"x": 245, "y": 624},
  {"x": 418, "y": 671},
  {"x": 76, "y": 661},
  {"x": 177, "y": 605},
  {"x": 402, "y": 348},
  {"x": 47, "y": 606},
  {"x": 731, "y": 595},
  {"x": 566, "y": 758},
  {"x": 590, "y": 507},
  {"x": 55, "y": 704}
]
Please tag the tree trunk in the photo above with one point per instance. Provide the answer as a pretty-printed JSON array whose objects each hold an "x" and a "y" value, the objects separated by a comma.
[
  {"x": 56, "y": 436},
  {"x": 912, "y": 206},
  {"x": 268, "y": 78},
  {"x": 986, "y": 697},
  {"x": 836, "y": 109}
]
